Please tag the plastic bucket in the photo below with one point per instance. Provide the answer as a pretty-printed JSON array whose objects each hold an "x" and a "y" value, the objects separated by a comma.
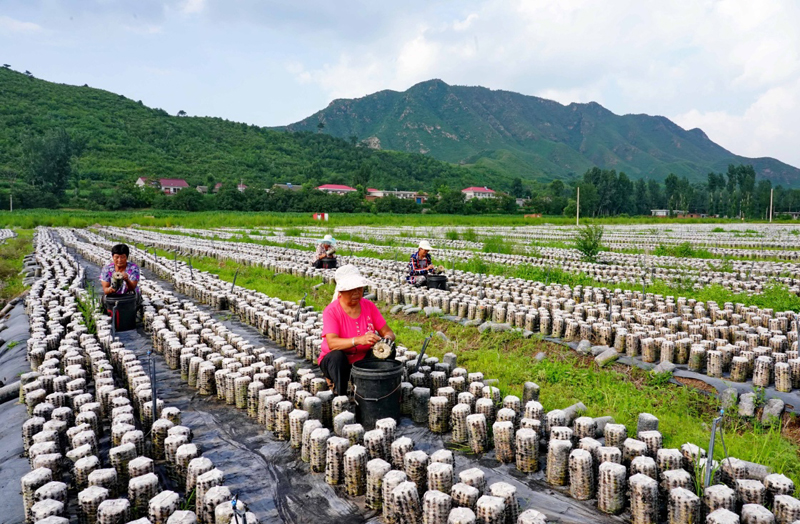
[
  {"x": 436, "y": 281},
  {"x": 377, "y": 390},
  {"x": 124, "y": 317},
  {"x": 328, "y": 263}
]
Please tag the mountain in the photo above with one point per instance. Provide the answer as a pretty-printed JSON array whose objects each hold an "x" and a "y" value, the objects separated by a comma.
[
  {"x": 125, "y": 139},
  {"x": 530, "y": 137}
]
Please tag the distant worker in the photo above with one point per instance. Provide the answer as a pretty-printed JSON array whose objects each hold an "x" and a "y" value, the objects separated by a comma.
[
  {"x": 324, "y": 258},
  {"x": 420, "y": 264}
]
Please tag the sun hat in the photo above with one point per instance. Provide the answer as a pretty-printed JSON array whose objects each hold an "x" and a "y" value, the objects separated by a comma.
[
  {"x": 425, "y": 245},
  {"x": 349, "y": 277},
  {"x": 327, "y": 239}
]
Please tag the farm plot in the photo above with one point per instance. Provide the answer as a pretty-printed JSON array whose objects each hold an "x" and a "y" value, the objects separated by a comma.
[
  {"x": 733, "y": 342},
  {"x": 464, "y": 452},
  {"x": 682, "y": 274},
  {"x": 185, "y": 268}
]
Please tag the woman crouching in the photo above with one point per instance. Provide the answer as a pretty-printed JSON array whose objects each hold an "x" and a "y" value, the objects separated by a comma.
[{"x": 351, "y": 325}]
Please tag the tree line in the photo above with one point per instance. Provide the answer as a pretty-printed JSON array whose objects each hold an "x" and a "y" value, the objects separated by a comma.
[
  {"x": 604, "y": 192},
  {"x": 50, "y": 178}
]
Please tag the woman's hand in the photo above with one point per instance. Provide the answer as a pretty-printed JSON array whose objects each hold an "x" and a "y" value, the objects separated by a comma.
[{"x": 368, "y": 339}]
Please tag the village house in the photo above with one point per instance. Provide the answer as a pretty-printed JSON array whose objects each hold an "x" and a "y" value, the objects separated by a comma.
[
  {"x": 336, "y": 189},
  {"x": 478, "y": 192},
  {"x": 171, "y": 186}
]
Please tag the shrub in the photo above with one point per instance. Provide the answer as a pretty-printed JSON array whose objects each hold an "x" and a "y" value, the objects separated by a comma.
[{"x": 589, "y": 242}]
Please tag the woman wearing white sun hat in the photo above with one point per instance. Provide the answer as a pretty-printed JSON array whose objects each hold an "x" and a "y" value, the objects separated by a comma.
[
  {"x": 325, "y": 249},
  {"x": 420, "y": 264},
  {"x": 351, "y": 325}
]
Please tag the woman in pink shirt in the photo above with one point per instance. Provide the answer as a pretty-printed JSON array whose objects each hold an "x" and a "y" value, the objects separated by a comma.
[{"x": 351, "y": 325}]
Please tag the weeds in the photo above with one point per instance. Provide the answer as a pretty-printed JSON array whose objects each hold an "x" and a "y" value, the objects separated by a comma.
[
  {"x": 684, "y": 250},
  {"x": 87, "y": 307},
  {"x": 658, "y": 380},
  {"x": 589, "y": 242},
  {"x": 11, "y": 254}
]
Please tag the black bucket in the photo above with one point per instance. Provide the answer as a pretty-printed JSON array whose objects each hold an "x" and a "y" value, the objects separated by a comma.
[
  {"x": 436, "y": 281},
  {"x": 328, "y": 263},
  {"x": 377, "y": 390},
  {"x": 124, "y": 317}
]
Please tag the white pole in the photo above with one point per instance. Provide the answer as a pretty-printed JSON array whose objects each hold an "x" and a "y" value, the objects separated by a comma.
[
  {"x": 770, "y": 205},
  {"x": 11, "y": 202},
  {"x": 578, "y": 208}
]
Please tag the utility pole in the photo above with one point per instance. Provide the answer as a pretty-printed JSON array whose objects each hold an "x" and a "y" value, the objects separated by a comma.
[
  {"x": 770, "y": 205},
  {"x": 578, "y": 208},
  {"x": 11, "y": 202}
]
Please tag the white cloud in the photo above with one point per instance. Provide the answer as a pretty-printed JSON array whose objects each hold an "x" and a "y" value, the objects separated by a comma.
[
  {"x": 720, "y": 59},
  {"x": 193, "y": 6},
  {"x": 769, "y": 124},
  {"x": 17, "y": 26},
  {"x": 461, "y": 25}
]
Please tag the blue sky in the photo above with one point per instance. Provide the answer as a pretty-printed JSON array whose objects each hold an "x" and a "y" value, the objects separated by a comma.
[{"x": 729, "y": 67}]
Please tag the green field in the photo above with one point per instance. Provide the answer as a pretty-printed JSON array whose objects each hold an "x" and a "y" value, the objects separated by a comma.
[
  {"x": 12, "y": 251},
  {"x": 157, "y": 218}
]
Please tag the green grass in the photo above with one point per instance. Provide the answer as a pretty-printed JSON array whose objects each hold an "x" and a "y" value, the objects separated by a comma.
[
  {"x": 684, "y": 250},
  {"x": 282, "y": 285},
  {"x": 31, "y": 218},
  {"x": 775, "y": 296},
  {"x": 685, "y": 413},
  {"x": 11, "y": 254}
]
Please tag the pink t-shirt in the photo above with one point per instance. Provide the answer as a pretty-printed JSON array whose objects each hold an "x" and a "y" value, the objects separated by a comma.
[{"x": 336, "y": 321}]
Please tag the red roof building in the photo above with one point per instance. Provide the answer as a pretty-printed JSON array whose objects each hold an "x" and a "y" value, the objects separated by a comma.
[
  {"x": 170, "y": 186},
  {"x": 478, "y": 192},
  {"x": 336, "y": 189}
]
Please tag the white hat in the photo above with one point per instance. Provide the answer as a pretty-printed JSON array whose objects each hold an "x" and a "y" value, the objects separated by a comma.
[
  {"x": 425, "y": 245},
  {"x": 327, "y": 239},
  {"x": 349, "y": 277}
]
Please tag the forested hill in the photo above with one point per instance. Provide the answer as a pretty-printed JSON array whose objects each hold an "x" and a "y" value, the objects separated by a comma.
[
  {"x": 529, "y": 136},
  {"x": 125, "y": 139}
]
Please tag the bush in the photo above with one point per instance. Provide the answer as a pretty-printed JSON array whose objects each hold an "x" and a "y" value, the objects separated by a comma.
[{"x": 589, "y": 242}]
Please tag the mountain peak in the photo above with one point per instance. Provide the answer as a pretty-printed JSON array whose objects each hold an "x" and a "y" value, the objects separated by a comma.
[{"x": 530, "y": 137}]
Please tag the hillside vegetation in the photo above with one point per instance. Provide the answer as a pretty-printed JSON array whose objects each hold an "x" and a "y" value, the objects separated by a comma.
[
  {"x": 529, "y": 136},
  {"x": 123, "y": 139}
]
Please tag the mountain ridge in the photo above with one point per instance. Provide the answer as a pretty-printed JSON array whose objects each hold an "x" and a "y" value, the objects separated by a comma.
[{"x": 529, "y": 136}]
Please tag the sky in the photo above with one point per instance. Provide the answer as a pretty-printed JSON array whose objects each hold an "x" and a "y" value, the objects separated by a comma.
[{"x": 729, "y": 67}]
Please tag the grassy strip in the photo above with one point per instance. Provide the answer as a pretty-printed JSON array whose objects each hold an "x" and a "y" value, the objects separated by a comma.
[
  {"x": 12, "y": 251},
  {"x": 282, "y": 285},
  {"x": 30, "y": 218},
  {"x": 775, "y": 296},
  {"x": 620, "y": 391}
]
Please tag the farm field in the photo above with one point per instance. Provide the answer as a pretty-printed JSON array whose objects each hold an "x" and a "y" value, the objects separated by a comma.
[{"x": 611, "y": 361}]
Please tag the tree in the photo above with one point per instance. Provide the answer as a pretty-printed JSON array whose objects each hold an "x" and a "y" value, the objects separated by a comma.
[
  {"x": 320, "y": 126},
  {"x": 48, "y": 160},
  {"x": 589, "y": 242},
  {"x": 353, "y": 140},
  {"x": 623, "y": 195},
  {"x": 641, "y": 203},
  {"x": 654, "y": 195},
  {"x": 671, "y": 191},
  {"x": 362, "y": 176},
  {"x": 517, "y": 189},
  {"x": 6, "y": 66},
  {"x": 451, "y": 201},
  {"x": 181, "y": 113}
]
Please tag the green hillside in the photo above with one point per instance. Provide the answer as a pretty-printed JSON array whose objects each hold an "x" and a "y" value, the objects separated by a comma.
[
  {"x": 530, "y": 137},
  {"x": 125, "y": 139}
]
